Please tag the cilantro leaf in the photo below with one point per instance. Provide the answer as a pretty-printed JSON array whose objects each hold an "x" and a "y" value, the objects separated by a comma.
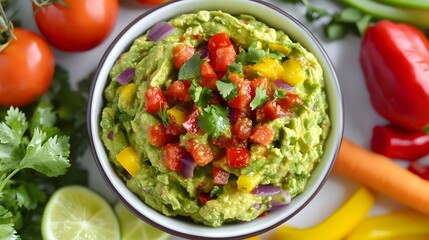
[
  {"x": 47, "y": 156},
  {"x": 200, "y": 95},
  {"x": 260, "y": 98},
  {"x": 13, "y": 128},
  {"x": 279, "y": 93},
  {"x": 227, "y": 89},
  {"x": 191, "y": 69},
  {"x": 214, "y": 121},
  {"x": 235, "y": 67},
  {"x": 253, "y": 55},
  {"x": 164, "y": 116}
]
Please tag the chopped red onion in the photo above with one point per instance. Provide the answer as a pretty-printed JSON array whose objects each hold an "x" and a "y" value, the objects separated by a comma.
[
  {"x": 110, "y": 135},
  {"x": 126, "y": 76},
  {"x": 232, "y": 115},
  {"x": 257, "y": 206},
  {"x": 280, "y": 200},
  {"x": 160, "y": 31},
  {"x": 188, "y": 165},
  {"x": 283, "y": 85},
  {"x": 266, "y": 190},
  {"x": 204, "y": 51}
]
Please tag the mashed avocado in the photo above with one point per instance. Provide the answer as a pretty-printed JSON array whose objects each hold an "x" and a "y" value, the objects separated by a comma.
[{"x": 246, "y": 126}]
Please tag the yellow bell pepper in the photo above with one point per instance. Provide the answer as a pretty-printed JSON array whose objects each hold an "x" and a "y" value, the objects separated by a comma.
[
  {"x": 248, "y": 182},
  {"x": 270, "y": 68},
  {"x": 177, "y": 114},
  {"x": 129, "y": 158},
  {"x": 280, "y": 48},
  {"x": 126, "y": 95},
  {"x": 293, "y": 72},
  {"x": 338, "y": 225},
  {"x": 253, "y": 238},
  {"x": 403, "y": 224}
]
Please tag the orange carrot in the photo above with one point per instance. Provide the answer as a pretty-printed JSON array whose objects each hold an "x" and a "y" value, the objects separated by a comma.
[{"x": 382, "y": 175}]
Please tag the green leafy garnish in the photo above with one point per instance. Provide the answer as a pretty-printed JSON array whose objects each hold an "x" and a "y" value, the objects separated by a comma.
[
  {"x": 260, "y": 98},
  {"x": 227, "y": 89},
  {"x": 200, "y": 95},
  {"x": 163, "y": 115},
  {"x": 279, "y": 93},
  {"x": 252, "y": 56},
  {"x": 191, "y": 69},
  {"x": 235, "y": 68},
  {"x": 214, "y": 121}
]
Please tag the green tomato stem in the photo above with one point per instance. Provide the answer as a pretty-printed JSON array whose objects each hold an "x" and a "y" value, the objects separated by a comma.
[
  {"x": 6, "y": 30},
  {"x": 411, "y": 4},
  {"x": 415, "y": 17}
]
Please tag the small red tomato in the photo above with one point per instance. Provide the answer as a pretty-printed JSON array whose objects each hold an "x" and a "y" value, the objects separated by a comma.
[
  {"x": 78, "y": 25},
  {"x": 178, "y": 91},
  {"x": 155, "y": 100},
  {"x": 191, "y": 122},
  {"x": 209, "y": 76},
  {"x": 237, "y": 157},
  {"x": 242, "y": 128},
  {"x": 26, "y": 69}
]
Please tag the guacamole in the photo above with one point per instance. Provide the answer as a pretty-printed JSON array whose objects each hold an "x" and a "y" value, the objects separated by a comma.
[{"x": 218, "y": 118}]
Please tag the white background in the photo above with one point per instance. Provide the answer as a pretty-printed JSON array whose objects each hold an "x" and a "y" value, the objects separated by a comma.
[{"x": 360, "y": 118}]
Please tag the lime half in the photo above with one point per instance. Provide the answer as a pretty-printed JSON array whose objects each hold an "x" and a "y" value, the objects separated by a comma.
[
  {"x": 133, "y": 227},
  {"x": 76, "y": 212}
]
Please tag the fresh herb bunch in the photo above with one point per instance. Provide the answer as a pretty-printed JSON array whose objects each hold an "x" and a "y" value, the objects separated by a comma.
[
  {"x": 357, "y": 15},
  {"x": 39, "y": 142}
]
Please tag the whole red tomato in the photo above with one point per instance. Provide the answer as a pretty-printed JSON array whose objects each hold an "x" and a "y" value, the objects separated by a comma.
[
  {"x": 79, "y": 25},
  {"x": 26, "y": 69},
  {"x": 153, "y": 2}
]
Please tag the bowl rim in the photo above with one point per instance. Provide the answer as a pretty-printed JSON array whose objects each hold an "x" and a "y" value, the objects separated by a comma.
[{"x": 336, "y": 139}]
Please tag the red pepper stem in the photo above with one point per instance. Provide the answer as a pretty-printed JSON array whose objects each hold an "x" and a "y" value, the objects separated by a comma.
[{"x": 6, "y": 30}]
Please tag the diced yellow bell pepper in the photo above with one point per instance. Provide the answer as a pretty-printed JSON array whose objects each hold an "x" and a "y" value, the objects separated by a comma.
[
  {"x": 293, "y": 72},
  {"x": 177, "y": 114},
  {"x": 338, "y": 225},
  {"x": 129, "y": 158},
  {"x": 126, "y": 95},
  {"x": 248, "y": 182},
  {"x": 270, "y": 68},
  {"x": 402, "y": 224},
  {"x": 280, "y": 48},
  {"x": 253, "y": 238}
]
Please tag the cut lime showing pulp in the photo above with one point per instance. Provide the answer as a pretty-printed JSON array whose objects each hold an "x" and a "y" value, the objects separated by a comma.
[
  {"x": 133, "y": 227},
  {"x": 76, "y": 212}
]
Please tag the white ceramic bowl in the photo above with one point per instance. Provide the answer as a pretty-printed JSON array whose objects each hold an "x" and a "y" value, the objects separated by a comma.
[{"x": 275, "y": 18}]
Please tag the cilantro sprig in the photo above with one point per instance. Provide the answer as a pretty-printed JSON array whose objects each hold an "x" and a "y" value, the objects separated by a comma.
[
  {"x": 191, "y": 68},
  {"x": 200, "y": 95},
  {"x": 214, "y": 121},
  {"x": 252, "y": 56},
  {"x": 260, "y": 98}
]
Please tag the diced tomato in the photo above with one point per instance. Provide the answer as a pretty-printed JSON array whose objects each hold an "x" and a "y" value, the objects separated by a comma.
[
  {"x": 155, "y": 100},
  {"x": 218, "y": 40},
  {"x": 222, "y": 141},
  {"x": 290, "y": 100},
  {"x": 237, "y": 157},
  {"x": 261, "y": 116},
  {"x": 191, "y": 122},
  {"x": 243, "y": 98},
  {"x": 172, "y": 156},
  {"x": 178, "y": 90},
  {"x": 157, "y": 135},
  {"x": 204, "y": 198},
  {"x": 174, "y": 128},
  {"x": 209, "y": 76},
  {"x": 235, "y": 113},
  {"x": 216, "y": 99},
  {"x": 274, "y": 110},
  {"x": 261, "y": 82},
  {"x": 200, "y": 152},
  {"x": 220, "y": 176},
  {"x": 182, "y": 53},
  {"x": 222, "y": 57},
  {"x": 242, "y": 128},
  {"x": 262, "y": 134}
]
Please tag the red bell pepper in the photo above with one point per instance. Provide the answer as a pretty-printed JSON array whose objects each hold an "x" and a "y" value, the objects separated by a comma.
[
  {"x": 395, "y": 142},
  {"x": 395, "y": 62},
  {"x": 419, "y": 169}
]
